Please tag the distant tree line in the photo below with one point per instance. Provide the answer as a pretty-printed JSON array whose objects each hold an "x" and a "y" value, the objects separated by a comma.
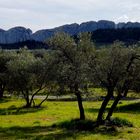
[
  {"x": 72, "y": 66},
  {"x": 126, "y": 35},
  {"x": 31, "y": 44}
]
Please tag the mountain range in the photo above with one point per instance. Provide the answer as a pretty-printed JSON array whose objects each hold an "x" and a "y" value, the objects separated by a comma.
[{"x": 22, "y": 34}]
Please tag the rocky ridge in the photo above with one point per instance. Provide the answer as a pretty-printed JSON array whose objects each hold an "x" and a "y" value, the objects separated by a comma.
[{"x": 20, "y": 34}]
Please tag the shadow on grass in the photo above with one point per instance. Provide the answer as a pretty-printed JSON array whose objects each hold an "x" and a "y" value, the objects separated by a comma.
[
  {"x": 5, "y": 99},
  {"x": 60, "y": 131},
  {"x": 34, "y": 133},
  {"x": 94, "y": 110},
  {"x": 130, "y": 108},
  {"x": 13, "y": 110},
  {"x": 86, "y": 127}
]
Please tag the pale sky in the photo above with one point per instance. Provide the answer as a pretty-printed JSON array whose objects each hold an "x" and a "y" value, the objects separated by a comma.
[{"x": 44, "y": 14}]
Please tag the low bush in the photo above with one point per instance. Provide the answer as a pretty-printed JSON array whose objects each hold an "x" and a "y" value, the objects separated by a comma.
[{"x": 120, "y": 122}]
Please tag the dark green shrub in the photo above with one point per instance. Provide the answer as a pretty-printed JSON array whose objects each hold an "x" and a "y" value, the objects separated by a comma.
[{"x": 120, "y": 122}]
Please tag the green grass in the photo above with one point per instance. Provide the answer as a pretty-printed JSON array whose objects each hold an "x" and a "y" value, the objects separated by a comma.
[{"x": 40, "y": 124}]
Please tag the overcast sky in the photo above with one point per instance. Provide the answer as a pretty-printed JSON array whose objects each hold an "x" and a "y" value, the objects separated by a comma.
[{"x": 41, "y": 14}]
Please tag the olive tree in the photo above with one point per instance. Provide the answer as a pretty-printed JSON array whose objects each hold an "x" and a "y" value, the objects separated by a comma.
[
  {"x": 5, "y": 57},
  {"x": 71, "y": 62},
  {"x": 27, "y": 75},
  {"x": 128, "y": 80},
  {"x": 107, "y": 70}
]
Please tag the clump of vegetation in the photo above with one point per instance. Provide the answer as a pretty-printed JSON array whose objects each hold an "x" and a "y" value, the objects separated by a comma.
[
  {"x": 119, "y": 122},
  {"x": 76, "y": 124}
]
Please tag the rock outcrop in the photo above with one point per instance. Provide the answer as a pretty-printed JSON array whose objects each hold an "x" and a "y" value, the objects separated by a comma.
[
  {"x": 104, "y": 24},
  {"x": 73, "y": 29},
  {"x": 14, "y": 35},
  {"x": 128, "y": 25},
  {"x": 20, "y": 34}
]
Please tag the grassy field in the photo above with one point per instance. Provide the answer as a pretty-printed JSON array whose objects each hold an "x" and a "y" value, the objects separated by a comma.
[{"x": 39, "y": 124}]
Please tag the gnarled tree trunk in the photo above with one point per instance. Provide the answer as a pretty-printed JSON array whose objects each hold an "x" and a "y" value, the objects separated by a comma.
[
  {"x": 2, "y": 87},
  {"x": 28, "y": 102},
  {"x": 80, "y": 105},
  {"x": 39, "y": 105},
  {"x": 103, "y": 106},
  {"x": 122, "y": 94},
  {"x": 114, "y": 105}
]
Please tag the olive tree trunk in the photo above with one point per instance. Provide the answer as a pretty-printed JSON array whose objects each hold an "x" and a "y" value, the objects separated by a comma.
[
  {"x": 103, "y": 106},
  {"x": 120, "y": 95},
  {"x": 80, "y": 105},
  {"x": 113, "y": 107},
  {"x": 2, "y": 87}
]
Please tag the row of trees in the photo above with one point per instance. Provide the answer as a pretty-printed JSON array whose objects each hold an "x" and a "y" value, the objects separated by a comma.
[{"x": 72, "y": 66}]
